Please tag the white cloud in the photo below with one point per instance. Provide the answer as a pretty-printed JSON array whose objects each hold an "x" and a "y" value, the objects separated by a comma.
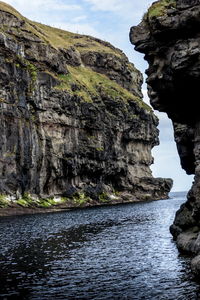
[
  {"x": 128, "y": 9},
  {"x": 85, "y": 28},
  {"x": 45, "y": 5},
  {"x": 59, "y": 6},
  {"x": 49, "y": 12},
  {"x": 105, "y": 5},
  {"x": 79, "y": 19}
]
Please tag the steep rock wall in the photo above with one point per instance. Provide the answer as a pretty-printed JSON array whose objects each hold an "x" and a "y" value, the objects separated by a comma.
[
  {"x": 169, "y": 36},
  {"x": 72, "y": 118}
]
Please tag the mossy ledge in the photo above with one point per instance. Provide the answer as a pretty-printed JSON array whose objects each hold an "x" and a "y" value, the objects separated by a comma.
[
  {"x": 74, "y": 127},
  {"x": 28, "y": 205},
  {"x": 159, "y": 8}
]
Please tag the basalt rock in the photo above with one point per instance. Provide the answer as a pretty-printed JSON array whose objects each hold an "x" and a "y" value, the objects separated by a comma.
[
  {"x": 72, "y": 117},
  {"x": 169, "y": 36}
]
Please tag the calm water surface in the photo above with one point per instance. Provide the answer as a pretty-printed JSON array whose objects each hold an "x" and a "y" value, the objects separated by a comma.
[{"x": 121, "y": 252}]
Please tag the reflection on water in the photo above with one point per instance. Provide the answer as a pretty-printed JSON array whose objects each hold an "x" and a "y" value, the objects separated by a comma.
[{"x": 121, "y": 252}]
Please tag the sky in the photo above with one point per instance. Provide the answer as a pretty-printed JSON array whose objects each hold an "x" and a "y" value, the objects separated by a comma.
[{"x": 110, "y": 20}]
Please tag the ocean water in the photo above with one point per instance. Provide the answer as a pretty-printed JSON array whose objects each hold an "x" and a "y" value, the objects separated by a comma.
[{"x": 114, "y": 252}]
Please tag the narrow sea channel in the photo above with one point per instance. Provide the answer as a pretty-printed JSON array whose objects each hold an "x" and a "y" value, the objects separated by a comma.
[{"x": 117, "y": 252}]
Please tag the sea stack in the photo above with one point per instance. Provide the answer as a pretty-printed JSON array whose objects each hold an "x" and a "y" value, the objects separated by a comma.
[{"x": 169, "y": 36}]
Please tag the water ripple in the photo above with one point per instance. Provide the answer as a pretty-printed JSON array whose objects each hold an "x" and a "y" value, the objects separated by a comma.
[{"x": 122, "y": 252}]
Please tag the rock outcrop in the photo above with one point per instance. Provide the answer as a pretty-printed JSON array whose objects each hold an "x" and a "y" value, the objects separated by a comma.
[
  {"x": 169, "y": 35},
  {"x": 73, "y": 123}
]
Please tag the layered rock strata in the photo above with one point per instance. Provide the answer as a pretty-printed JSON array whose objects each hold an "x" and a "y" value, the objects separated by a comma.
[
  {"x": 169, "y": 36},
  {"x": 73, "y": 123}
]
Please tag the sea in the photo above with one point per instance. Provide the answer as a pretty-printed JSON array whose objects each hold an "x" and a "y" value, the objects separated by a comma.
[{"x": 109, "y": 252}]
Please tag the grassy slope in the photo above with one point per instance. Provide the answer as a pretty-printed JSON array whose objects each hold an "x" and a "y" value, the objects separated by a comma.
[
  {"x": 86, "y": 79},
  {"x": 88, "y": 83},
  {"x": 59, "y": 38}
]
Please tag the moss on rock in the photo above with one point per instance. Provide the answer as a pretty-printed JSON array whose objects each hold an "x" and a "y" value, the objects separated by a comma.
[
  {"x": 159, "y": 8},
  {"x": 3, "y": 201},
  {"x": 81, "y": 199}
]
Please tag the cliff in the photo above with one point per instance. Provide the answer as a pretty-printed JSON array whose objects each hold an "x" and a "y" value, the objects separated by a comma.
[
  {"x": 74, "y": 128},
  {"x": 169, "y": 36}
]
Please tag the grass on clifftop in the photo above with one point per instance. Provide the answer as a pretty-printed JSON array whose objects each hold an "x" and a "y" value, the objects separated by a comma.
[
  {"x": 90, "y": 84},
  {"x": 81, "y": 81},
  {"x": 8, "y": 8},
  {"x": 159, "y": 8},
  {"x": 59, "y": 38}
]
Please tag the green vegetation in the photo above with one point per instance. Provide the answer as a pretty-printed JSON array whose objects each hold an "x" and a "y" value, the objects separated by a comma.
[
  {"x": 32, "y": 70},
  {"x": 24, "y": 63},
  {"x": 78, "y": 77},
  {"x": 9, "y": 60},
  {"x": 89, "y": 84},
  {"x": 103, "y": 198},
  {"x": 85, "y": 81},
  {"x": 159, "y": 8},
  {"x": 7, "y": 8},
  {"x": 45, "y": 203},
  {"x": 3, "y": 201},
  {"x": 59, "y": 38},
  {"x": 116, "y": 193},
  {"x": 99, "y": 149},
  {"x": 33, "y": 73},
  {"x": 27, "y": 201},
  {"x": 23, "y": 203},
  {"x": 81, "y": 199},
  {"x": 81, "y": 81}
]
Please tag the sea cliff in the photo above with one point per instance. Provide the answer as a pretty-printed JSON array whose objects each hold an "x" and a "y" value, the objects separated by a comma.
[
  {"x": 169, "y": 36},
  {"x": 74, "y": 128}
]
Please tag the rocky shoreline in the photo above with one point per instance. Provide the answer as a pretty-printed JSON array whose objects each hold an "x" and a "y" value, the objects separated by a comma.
[{"x": 17, "y": 210}]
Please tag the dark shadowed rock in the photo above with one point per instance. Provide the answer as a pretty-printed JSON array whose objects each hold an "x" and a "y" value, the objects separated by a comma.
[{"x": 169, "y": 35}]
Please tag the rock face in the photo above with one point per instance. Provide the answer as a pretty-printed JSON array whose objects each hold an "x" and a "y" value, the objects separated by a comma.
[
  {"x": 169, "y": 35},
  {"x": 72, "y": 117}
]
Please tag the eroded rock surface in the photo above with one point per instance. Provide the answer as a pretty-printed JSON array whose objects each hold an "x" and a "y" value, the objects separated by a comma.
[
  {"x": 72, "y": 117},
  {"x": 169, "y": 35}
]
